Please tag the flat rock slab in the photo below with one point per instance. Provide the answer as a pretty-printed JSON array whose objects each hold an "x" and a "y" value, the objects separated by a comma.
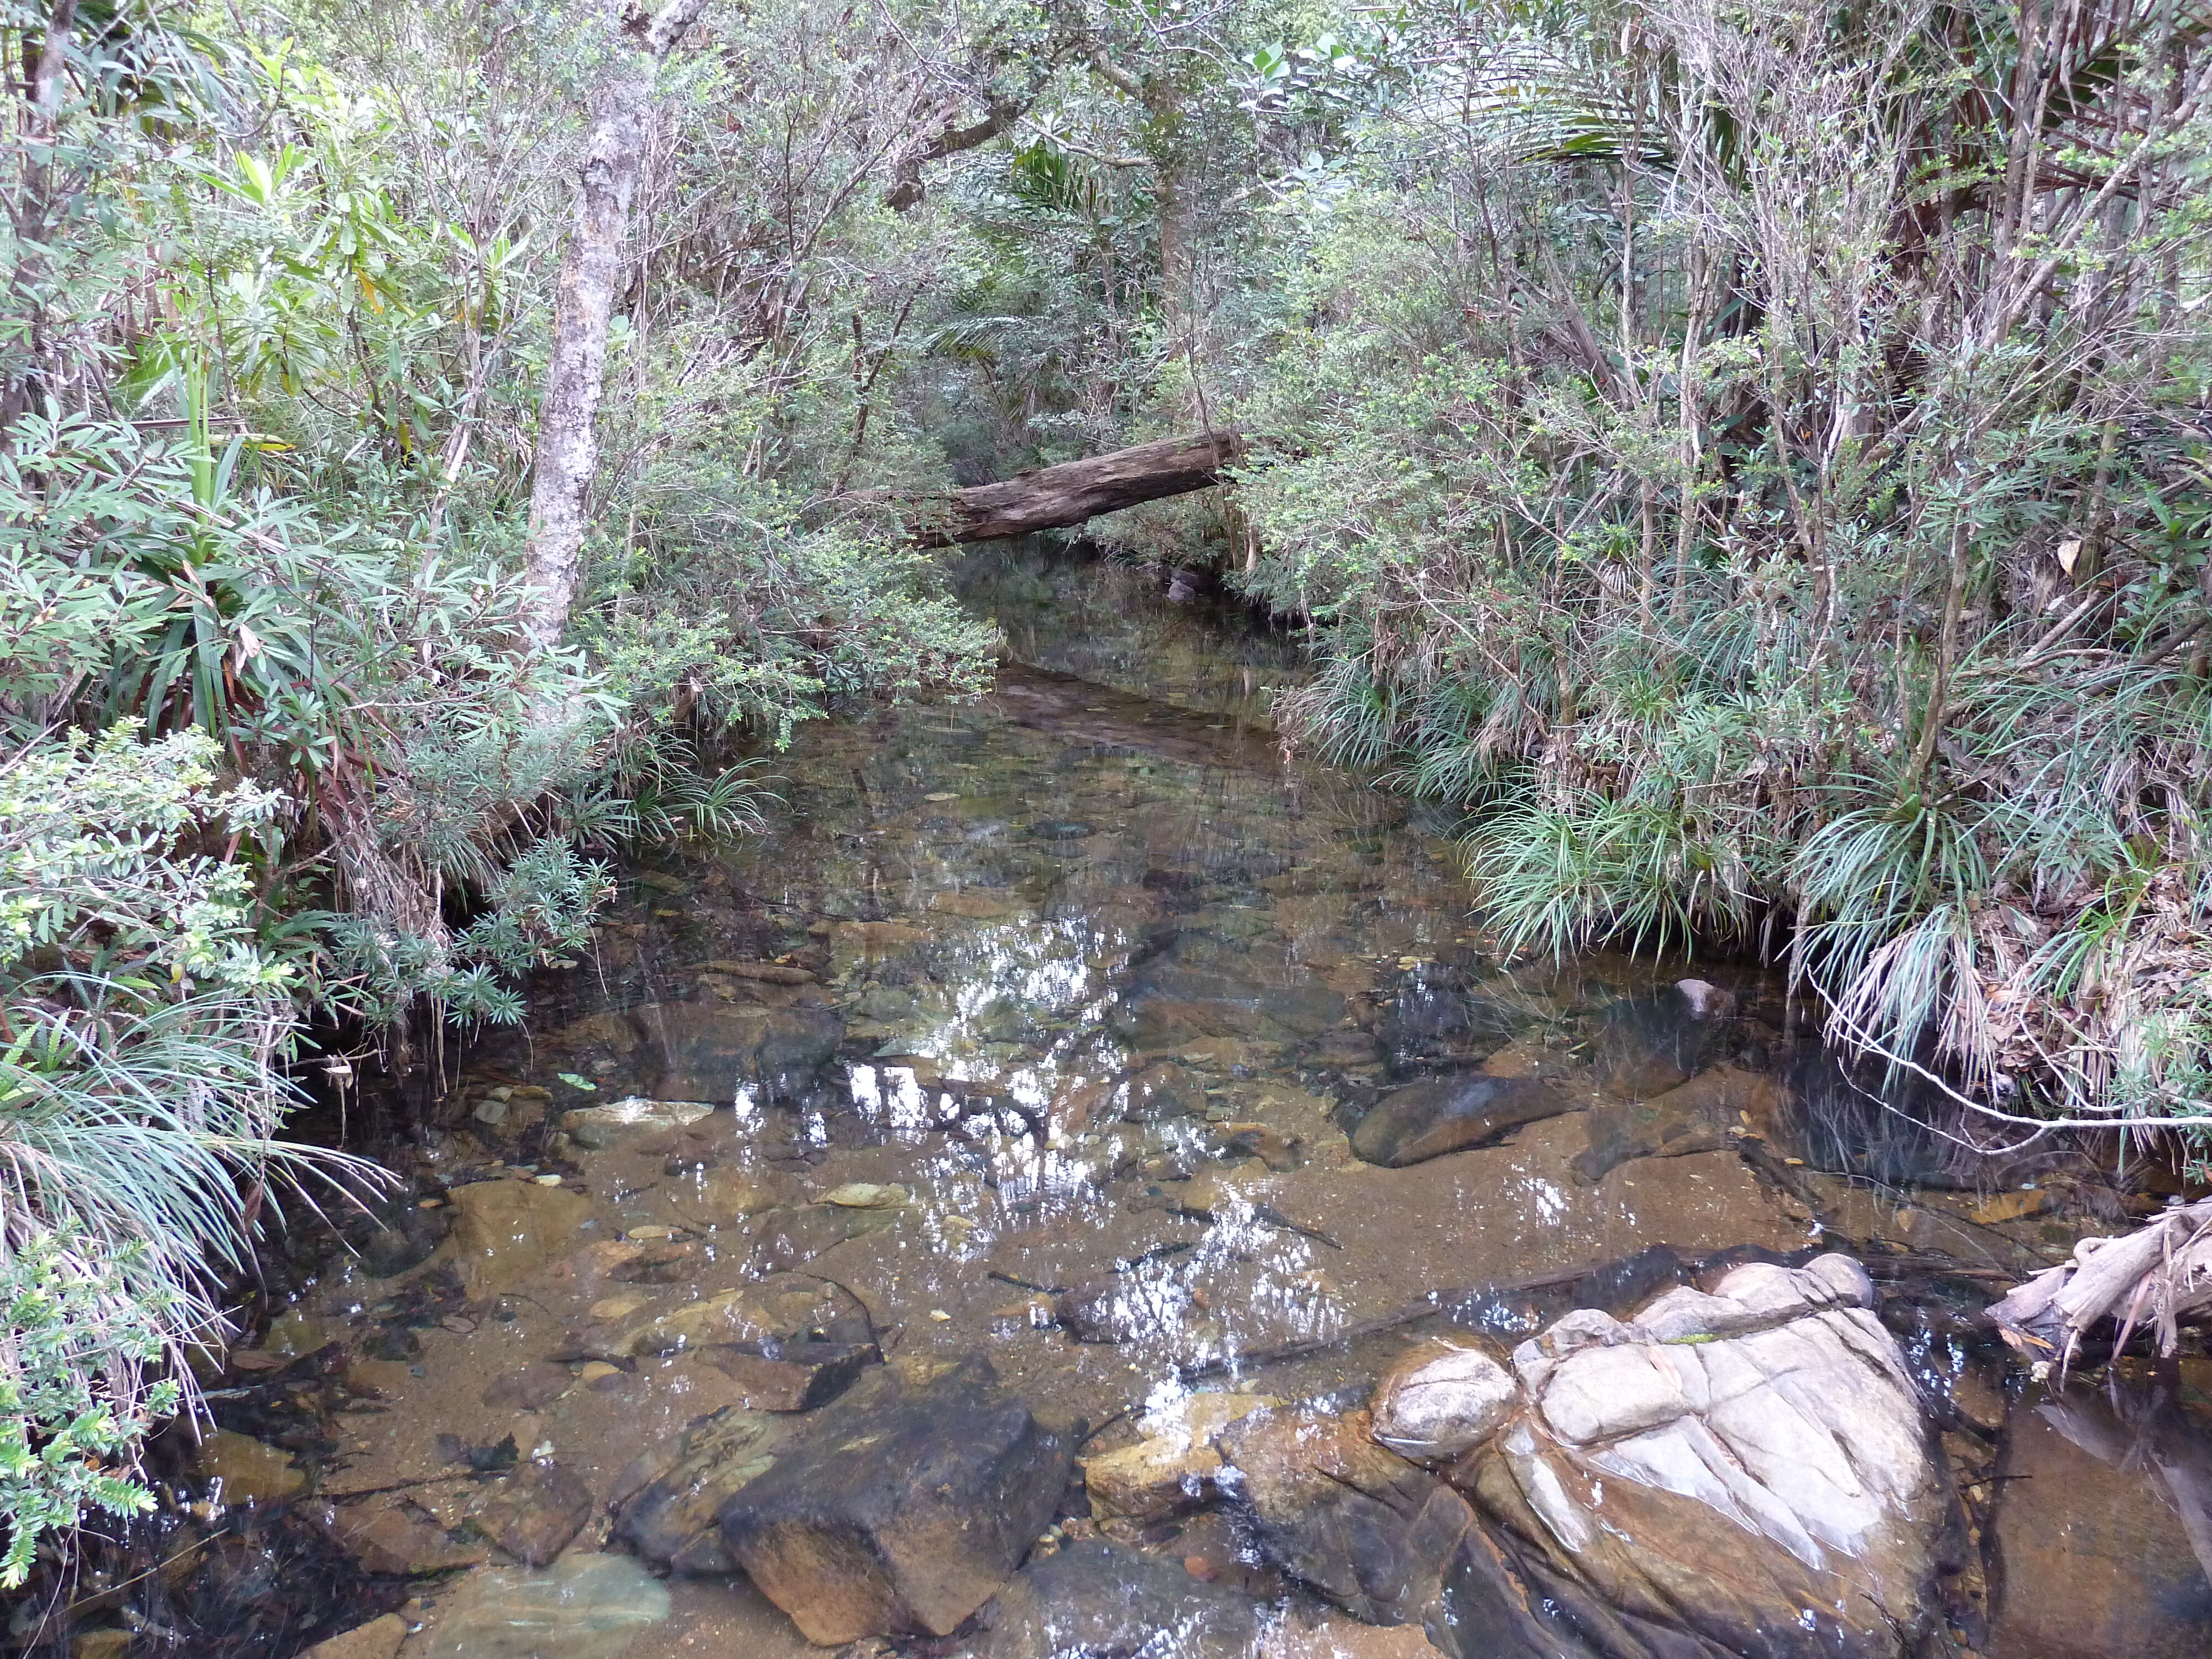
[
  {"x": 588, "y": 1606},
  {"x": 667, "y": 1501},
  {"x": 1697, "y": 1116},
  {"x": 506, "y": 1230},
  {"x": 899, "y": 1509},
  {"x": 535, "y": 1513},
  {"x": 1449, "y": 1114},
  {"x": 1093, "y": 1599},
  {"x": 2104, "y": 1531},
  {"x": 795, "y": 1376}
]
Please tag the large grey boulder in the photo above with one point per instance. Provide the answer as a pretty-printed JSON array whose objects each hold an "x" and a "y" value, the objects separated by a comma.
[{"x": 1743, "y": 1471}]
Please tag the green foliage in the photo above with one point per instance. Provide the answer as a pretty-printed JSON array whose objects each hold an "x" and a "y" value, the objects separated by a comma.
[
  {"x": 1768, "y": 553},
  {"x": 73, "y": 1400}
]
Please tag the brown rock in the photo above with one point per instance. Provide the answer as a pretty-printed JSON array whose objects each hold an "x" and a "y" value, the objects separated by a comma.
[
  {"x": 1698, "y": 1116},
  {"x": 385, "y": 1537},
  {"x": 1360, "y": 1524},
  {"x": 766, "y": 972},
  {"x": 1449, "y": 1113},
  {"x": 504, "y": 1231},
  {"x": 527, "y": 1388},
  {"x": 534, "y": 1513},
  {"x": 666, "y": 1502},
  {"x": 380, "y": 1638},
  {"x": 1271, "y": 1146},
  {"x": 869, "y": 940},
  {"x": 794, "y": 1377},
  {"x": 974, "y": 905},
  {"x": 783, "y": 1308},
  {"x": 610, "y": 1031},
  {"x": 671, "y": 1263},
  {"x": 899, "y": 1509},
  {"x": 378, "y": 1378},
  {"x": 1174, "y": 1465},
  {"x": 721, "y": 1198},
  {"x": 2102, "y": 1532},
  {"x": 249, "y": 1472}
]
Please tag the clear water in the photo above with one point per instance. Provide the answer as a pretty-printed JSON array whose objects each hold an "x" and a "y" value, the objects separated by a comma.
[{"x": 1034, "y": 1024}]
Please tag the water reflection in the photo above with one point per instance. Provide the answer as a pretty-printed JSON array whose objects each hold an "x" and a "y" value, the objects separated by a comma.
[{"x": 1032, "y": 1028}]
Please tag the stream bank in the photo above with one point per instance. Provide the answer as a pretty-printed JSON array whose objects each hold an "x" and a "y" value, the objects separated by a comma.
[{"x": 1076, "y": 1040}]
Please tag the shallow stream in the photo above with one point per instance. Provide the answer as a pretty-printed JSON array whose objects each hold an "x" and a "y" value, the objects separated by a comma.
[{"x": 1033, "y": 1029}]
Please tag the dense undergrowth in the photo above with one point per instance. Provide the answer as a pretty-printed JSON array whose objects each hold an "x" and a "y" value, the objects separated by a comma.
[
  {"x": 277, "y": 761},
  {"x": 1755, "y": 460}
]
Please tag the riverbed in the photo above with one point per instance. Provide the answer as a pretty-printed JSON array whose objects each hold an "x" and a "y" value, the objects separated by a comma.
[{"x": 1039, "y": 1029}]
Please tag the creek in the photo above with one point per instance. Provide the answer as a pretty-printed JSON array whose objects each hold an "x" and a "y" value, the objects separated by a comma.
[{"x": 1044, "y": 1029}]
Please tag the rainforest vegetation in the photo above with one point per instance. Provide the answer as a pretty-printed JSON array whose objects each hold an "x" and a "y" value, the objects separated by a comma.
[{"x": 1753, "y": 459}]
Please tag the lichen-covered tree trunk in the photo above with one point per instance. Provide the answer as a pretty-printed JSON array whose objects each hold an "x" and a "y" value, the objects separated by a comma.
[{"x": 592, "y": 273}]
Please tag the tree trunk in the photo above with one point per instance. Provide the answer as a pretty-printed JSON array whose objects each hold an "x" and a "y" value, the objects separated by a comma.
[
  {"x": 1056, "y": 496},
  {"x": 593, "y": 271},
  {"x": 35, "y": 211}
]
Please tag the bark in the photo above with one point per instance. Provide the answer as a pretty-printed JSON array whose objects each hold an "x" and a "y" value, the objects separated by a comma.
[
  {"x": 906, "y": 192},
  {"x": 1056, "y": 496},
  {"x": 593, "y": 271},
  {"x": 35, "y": 211},
  {"x": 2154, "y": 1278}
]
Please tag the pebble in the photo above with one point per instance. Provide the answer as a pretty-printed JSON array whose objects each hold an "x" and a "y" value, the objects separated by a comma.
[
  {"x": 864, "y": 1195},
  {"x": 549, "y": 1180}
]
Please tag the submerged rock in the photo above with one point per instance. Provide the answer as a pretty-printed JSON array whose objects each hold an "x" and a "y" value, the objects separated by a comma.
[
  {"x": 535, "y": 1513},
  {"x": 1696, "y": 1117},
  {"x": 1360, "y": 1524},
  {"x": 2104, "y": 1529},
  {"x": 708, "y": 1049},
  {"x": 1091, "y": 1600},
  {"x": 380, "y": 1638},
  {"x": 586, "y": 1607},
  {"x": 595, "y": 1126},
  {"x": 790, "y": 1376},
  {"x": 1650, "y": 1045},
  {"x": 783, "y": 1308},
  {"x": 1173, "y": 1466},
  {"x": 1449, "y": 1114},
  {"x": 1748, "y": 1471},
  {"x": 386, "y": 1535},
  {"x": 506, "y": 1230},
  {"x": 899, "y": 1510},
  {"x": 243, "y": 1470},
  {"x": 666, "y": 1502}
]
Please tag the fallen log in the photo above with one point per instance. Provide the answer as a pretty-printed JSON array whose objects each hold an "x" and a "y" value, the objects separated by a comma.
[
  {"x": 1054, "y": 497},
  {"x": 2156, "y": 1277}
]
